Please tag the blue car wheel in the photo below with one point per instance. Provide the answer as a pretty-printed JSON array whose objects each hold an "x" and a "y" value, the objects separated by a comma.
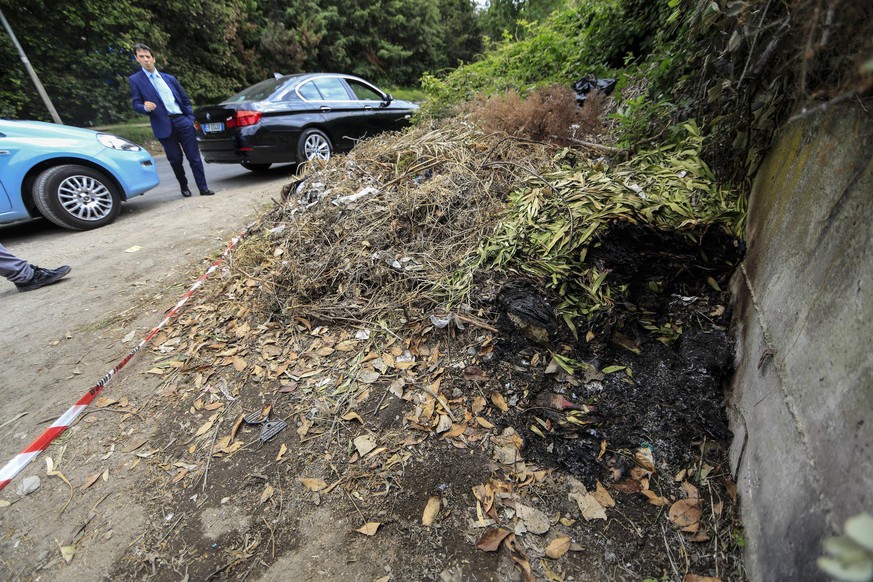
[{"x": 76, "y": 197}]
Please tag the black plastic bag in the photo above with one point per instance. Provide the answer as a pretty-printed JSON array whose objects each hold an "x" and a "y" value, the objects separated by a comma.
[{"x": 587, "y": 84}]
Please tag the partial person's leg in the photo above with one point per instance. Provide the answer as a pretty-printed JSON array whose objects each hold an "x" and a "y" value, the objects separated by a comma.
[
  {"x": 15, "y": 269},
  {"x": 174, "y": 156},
  {"x": 188, "y": 138}
]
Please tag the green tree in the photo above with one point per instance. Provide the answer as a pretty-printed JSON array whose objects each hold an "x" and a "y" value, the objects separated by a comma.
[
  {"x": 502, "y": 17},
  {"x": 81, "y": 52}
]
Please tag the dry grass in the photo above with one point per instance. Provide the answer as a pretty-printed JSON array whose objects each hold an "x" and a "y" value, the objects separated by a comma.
[
  {"x": 439, "y": 192},
  {"x": 549, "y": 114}
]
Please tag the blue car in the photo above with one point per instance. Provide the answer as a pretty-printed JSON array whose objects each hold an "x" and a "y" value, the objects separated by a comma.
[{"x": 75, "y": 178}]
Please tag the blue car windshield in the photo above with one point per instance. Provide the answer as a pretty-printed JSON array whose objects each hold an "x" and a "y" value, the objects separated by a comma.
[{"x": 260, "y": 91}]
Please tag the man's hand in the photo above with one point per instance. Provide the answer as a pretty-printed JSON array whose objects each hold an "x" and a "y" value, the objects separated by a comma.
[{"x": 149, "y": 106}]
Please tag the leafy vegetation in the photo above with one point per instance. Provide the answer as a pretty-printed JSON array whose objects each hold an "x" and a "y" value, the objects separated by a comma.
[
  {"x": 740, "y": 69},
  {"x": 82, "y": 50},
  {"x": 554, "y": 221}
]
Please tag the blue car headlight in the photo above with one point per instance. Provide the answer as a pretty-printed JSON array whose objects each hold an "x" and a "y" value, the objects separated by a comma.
[{"x": 117, "y": 143}]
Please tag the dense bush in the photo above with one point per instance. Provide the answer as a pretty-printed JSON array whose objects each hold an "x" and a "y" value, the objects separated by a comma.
[{"x": 741, "y": 69}]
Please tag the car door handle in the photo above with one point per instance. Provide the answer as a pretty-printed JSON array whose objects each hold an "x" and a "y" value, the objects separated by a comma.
[
  {"x": 368, "y": 108},
  {"x": 325, "y": 109},
  {"x": 4, "y": 152}
]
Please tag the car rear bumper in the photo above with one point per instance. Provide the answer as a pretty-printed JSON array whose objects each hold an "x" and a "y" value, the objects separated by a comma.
[{"x": 225, "y": 151}]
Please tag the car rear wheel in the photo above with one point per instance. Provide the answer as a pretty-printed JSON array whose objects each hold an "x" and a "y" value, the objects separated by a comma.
[
  {"x": 255, "y": 167},
  {"x": 313, "y": 145},
  {"x": 76, "y": 197}
]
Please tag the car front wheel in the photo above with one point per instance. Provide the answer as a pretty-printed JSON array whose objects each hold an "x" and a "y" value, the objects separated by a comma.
[
  {"x": 76, "y": 197},
  {"x": 313, "y": 145}
]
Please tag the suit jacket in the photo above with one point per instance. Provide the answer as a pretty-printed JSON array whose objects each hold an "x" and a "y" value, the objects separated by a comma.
[{"x": 142, "y": 90}]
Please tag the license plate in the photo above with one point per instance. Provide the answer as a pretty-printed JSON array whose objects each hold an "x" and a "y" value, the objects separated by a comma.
[{"x": 213, "y": 127}]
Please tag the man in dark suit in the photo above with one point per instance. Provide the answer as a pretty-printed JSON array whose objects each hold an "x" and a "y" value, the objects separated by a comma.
[{"x": 161, "y": 97}]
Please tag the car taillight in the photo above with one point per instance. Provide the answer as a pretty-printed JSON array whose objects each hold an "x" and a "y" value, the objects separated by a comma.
[{"x": 243, "y": 118}]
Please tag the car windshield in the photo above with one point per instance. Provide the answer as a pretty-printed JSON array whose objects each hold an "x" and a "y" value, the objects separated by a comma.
[{"x": 260, "y": 91}]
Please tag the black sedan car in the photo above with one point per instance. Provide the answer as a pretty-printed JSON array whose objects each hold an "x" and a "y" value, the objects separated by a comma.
[{"x": 296, "y": 118}]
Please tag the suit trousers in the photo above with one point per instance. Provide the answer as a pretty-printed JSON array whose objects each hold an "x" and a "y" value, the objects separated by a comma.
[
  {"x": 15, "y": 269},
  {"x": 184, "y": 139}
]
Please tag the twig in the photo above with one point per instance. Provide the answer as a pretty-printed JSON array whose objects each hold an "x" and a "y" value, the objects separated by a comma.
[
  {"x": 595, "y": 146},
  {"x": 444, "y": 403},
  {"x": 169, "y": 531},
  {"x": 477, "y": 323},
  {"x": 824, "y": 106},
  {"x": 669, "y": 553},
  {"x": 364, "y": 519},
  {"x": 752, "y": 45},
  {"x": 209, "y": 453},
  {"x": 272, "y": 535},
  {"x": 381, "y": 400}
]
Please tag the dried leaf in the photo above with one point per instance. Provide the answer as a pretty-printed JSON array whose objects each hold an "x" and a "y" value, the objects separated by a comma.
[
  {"x": 474, "y": 374},
  {"x": 445, "y": 423},
  {"x": 654, "y": 498},
  {"x": 239, "y": 364},
  {"x": 89, "y": 481},
  {"x": 498, "y": 401},
  {"x": 431, "y": 510},
  {"x": 516, "y": 553},
  {"x": 352, "y": 416},
  {"x": 684, "y": 512},
  {"x": 588, "y": 505},
  {"x": 104, "y": 401},
  {"x": 369, "y": 528},
  {"x": 282, "y": 450},
  {"x": 456, "y": 431},
  {"x": 67, "y": 552},
  {"x": 644, "y": 458},
  {"x": 603, "y": 497},
  {"x": 478, "y": 405},
  {"x": 696, "y": 578},
  {"x": 484, "y": 423},
  {"x": 491, "y": 539},
  {"x": 558, "y": 547},
  {"x": 364, "y": 444},
  {"x": 690, "y": 490},
  {"x": 313, "y": 484},
  {"x": 267, "y": 493},
  {"x": 369, "y": 376},
  {"x": 534, "y": 520},
  {"x": 135, "y": 444},
  {"x": 204, "y": 428},
  {"x": 50, "y": 470},
  {"x": 628, "y": 486}
]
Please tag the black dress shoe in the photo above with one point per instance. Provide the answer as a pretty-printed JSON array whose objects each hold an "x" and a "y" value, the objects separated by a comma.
[
  {"x": 207, "y": 193},
  {"x": 42, "y": 277},
  {"x": 186, "y": 193}
]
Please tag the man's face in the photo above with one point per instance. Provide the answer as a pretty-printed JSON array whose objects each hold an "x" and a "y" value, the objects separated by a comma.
[{"x": 146, "y": 60}]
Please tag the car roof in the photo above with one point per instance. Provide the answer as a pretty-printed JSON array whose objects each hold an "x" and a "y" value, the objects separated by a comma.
[{"x": 269, "y": 88}]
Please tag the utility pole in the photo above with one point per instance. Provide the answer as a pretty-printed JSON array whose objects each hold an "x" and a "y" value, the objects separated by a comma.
[{"x": 39, "y": 88}]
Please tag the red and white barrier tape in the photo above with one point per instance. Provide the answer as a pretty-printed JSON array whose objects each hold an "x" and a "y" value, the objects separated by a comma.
[{"x": 22, "y": 459}]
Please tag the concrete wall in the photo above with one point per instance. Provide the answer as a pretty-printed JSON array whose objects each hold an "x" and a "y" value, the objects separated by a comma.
[{"x": 801, "y": 401}]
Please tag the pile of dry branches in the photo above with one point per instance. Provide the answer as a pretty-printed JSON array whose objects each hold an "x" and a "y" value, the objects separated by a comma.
[{"x": 372, "y": 234}]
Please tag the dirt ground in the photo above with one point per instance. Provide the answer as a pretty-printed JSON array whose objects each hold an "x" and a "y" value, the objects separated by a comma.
[
  {"x": 59, "y": 341},
  {"x": 449, "y": 453}
]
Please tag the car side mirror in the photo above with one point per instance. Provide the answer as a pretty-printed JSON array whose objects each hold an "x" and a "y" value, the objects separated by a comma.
[{"x": 388, "y": 99}]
